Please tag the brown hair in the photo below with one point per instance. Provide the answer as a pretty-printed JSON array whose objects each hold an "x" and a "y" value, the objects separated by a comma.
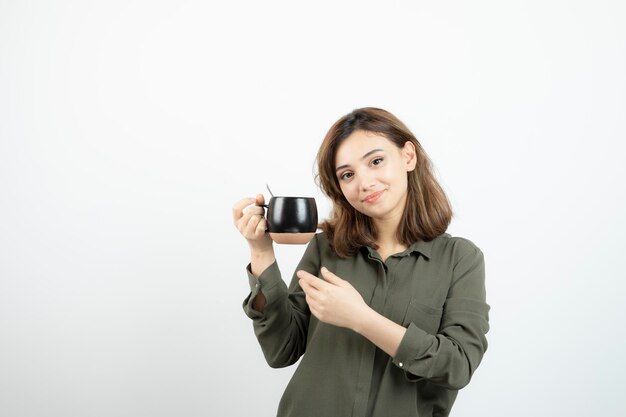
[{"x": 427, "y": 213}]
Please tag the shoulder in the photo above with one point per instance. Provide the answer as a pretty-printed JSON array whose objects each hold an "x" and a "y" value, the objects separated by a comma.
[
  {"x": 320, "y": 240},
  {"x": 323, "y": 247},
  {"x": 454, "y": 247},
  {"x": 318, "y": 243},
  {"x": 459, "y": 242}
]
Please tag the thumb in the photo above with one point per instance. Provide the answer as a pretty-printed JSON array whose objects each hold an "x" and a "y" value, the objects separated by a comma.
[
  {"x": 260, "y": 199},
  {"x": 330, "y": 277}
]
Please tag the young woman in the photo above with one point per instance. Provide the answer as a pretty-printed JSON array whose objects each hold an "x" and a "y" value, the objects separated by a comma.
[{"x": 386, "y": 309}]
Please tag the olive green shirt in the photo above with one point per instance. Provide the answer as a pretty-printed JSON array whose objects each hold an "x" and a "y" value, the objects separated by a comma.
[{"x": 435, "y": 289}]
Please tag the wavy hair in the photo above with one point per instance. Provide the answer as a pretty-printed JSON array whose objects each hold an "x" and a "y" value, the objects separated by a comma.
[{"x": 427, "y": 212}]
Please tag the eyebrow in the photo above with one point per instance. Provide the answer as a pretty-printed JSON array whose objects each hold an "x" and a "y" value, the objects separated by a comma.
[{"x": 363, "y": 157}]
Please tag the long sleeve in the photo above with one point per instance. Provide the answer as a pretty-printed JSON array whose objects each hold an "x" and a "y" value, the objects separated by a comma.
[
  {"x": 435, "y": 289},
  {"x": 450, "y": 357},
  {"x": 282, "y": 327}
]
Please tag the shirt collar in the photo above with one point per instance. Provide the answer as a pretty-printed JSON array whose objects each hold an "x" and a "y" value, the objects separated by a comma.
[
  {"x": 421, "y": 246},
  {"x": 425, "y": 248}
]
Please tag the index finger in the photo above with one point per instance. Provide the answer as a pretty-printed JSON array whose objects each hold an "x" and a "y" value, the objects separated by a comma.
[
  {"x": 259, "y": 200},
  {"x": 239, "y": 206},
  {"x": 312, "y": 280}
]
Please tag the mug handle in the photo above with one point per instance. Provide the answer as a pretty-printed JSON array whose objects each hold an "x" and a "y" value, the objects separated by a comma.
[{"x": 267, "y": 206}]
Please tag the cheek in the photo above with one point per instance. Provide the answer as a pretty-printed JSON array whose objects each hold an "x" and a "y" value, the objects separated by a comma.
[
  {"x": 347, "y": 190},
  {"x": 386, "y": 176},
  {"x": 398, "y": 176}
]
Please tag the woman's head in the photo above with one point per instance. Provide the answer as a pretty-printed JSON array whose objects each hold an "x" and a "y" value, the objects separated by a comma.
[{"x": 371, "y": 166}]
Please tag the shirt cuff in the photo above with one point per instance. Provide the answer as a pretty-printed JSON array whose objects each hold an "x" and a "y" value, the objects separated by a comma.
[
  {"x": 268, "y": 282},
  {"x": 410, "y": 345}
]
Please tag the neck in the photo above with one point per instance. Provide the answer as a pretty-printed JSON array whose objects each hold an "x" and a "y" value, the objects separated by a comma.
[{"x": 386, "y": 231}]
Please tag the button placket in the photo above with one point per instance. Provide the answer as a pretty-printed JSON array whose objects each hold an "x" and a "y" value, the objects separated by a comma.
[{"x": 377, "y": 303}]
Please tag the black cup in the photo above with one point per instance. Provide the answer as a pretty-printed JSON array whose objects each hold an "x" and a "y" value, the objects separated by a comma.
[{"x": 291, "y": 220}]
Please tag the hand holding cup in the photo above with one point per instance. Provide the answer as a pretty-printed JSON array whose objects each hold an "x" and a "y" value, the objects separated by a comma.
[
  {"x": 249, "y": 219},
  {"x": 290, "y": 220}
]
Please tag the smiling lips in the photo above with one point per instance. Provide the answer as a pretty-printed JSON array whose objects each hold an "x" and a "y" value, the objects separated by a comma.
[{"x": 373, "y": 197}]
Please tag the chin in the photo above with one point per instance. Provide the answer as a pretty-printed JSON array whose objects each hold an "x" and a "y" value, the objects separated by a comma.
[{"x": 374, "y": 214}]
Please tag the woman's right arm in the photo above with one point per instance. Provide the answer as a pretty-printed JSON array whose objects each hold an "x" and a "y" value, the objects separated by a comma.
[
  {"x": 280, "y": 314},
  {"x": 251, "y": 223}
]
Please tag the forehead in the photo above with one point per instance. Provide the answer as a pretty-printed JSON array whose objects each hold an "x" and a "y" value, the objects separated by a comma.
[{"x": 358, "y": 144}]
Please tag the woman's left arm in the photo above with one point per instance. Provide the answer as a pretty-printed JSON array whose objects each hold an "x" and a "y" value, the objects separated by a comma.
[{"x": 448, "y": 358}]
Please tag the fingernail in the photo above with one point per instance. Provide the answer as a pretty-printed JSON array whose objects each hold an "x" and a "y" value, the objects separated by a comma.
[{"x": 324, "y": 269}]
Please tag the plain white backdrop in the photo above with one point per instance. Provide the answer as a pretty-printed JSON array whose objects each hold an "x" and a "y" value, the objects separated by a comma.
[{"x": 128, "y": 129}]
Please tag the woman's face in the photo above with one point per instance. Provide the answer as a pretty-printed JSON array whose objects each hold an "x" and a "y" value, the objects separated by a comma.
[{"x": 372, "y": 174}]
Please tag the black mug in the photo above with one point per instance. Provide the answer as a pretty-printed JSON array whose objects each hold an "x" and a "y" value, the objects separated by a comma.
[{"x": 291, "y": 220}]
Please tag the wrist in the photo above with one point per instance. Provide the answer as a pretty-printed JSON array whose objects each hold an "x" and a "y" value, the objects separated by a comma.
[
  {"x": 362, "y": 319},
  {"x": 261, "y": 253},
  {"x": 261, "y": 260}
]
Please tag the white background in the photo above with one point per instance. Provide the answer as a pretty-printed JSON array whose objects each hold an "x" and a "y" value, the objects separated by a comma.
[{"x": 128, "y": 129}]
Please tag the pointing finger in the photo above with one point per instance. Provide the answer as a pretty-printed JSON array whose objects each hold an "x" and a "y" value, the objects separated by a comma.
[
  {"x": 312, "y": 280},
  {"x": 330, "y": 277}
]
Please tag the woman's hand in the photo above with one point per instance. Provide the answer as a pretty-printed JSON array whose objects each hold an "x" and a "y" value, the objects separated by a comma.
[
  {"x": 334, "y": 301},
  {"x": 249, "y": 219}
]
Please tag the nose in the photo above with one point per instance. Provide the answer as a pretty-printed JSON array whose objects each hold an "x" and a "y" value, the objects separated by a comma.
[{"x": 367, "y": 182}]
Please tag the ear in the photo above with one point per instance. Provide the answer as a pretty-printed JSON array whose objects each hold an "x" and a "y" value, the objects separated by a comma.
[{"x": 410, "y": 155}]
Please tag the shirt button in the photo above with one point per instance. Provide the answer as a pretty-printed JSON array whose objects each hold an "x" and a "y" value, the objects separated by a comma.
[
  {"x": 257, "y": 285},
  {"x": 400, "y": 364}
]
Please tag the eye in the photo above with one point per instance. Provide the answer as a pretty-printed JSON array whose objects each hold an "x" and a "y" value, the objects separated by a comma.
[
  {"x": 346, "y": 176},
  {"x": 377, "y": 161}
]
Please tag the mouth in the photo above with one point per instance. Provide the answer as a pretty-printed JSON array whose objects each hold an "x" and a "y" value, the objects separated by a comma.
[{"x": 373, "y": 197}]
